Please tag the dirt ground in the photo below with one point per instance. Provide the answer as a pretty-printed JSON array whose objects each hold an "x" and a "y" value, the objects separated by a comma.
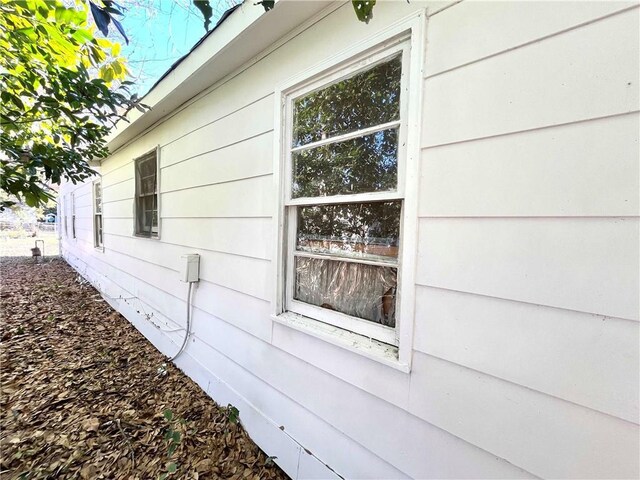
[{"x": 84, "y": 395}]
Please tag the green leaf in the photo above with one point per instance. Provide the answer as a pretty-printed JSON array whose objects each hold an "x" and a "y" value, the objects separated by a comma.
[
  {"x": 49, "y": 49},
  {"x": 17, "y": 102},
  {"x": 172, "y": 467},
  {"x": 63, "y": 15},
  {"x": 364, "y": 9},
  {"x": 168, "y": 414},
  {"x": 232, "y": 414},
  {"x": 171, "y": 450}
]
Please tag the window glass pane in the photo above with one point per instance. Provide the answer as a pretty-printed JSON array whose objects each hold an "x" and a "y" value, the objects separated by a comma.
[
  {"x": 98, "y": 230},
  {"x": 146, "y": 214},
  {"x": 148, "y": 185},
  {"x": 363, "y": 291},
  {"x": 360, "y": 230},
  {"x": 97, "y": 195},
  {"x": 369, "y": 98},
  {"x": 364, "y": 164},
  {"x": 147, "y": 166}
]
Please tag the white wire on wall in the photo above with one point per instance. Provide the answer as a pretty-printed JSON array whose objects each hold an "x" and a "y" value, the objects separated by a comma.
[{"x": 127, "y": 300}]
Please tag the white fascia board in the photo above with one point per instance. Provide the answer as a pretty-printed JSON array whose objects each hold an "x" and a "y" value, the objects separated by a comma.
[{"x": 248, "y": 31}]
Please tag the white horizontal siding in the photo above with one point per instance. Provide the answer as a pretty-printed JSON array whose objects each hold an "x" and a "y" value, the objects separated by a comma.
[
  {"x": 123, "y": 190},
  {"x": 117, "y": 226},
  {"x": 518, "y": 23},
  {"x": 165, "y": 297},
  {"x": 546, "y": 436},
  {"x": 159, "y": 263},
  {"x": 583, "y": 358},
  {"x": 83, "y": 199},
  {"x": 118, "y": 209},
  {"x": 585, "y": 73},
  {"x": 244, "y": 198},
  {"x": 560, "y": 262},
  {"x": 118, "y": 168},
  {"x": 388, "y": 383},
  {"x": 583, "y": 169},
  {"x": 250, "y": 237},
  {"x": 250, "y": 158},
  {"x": 252, "y": 120}
]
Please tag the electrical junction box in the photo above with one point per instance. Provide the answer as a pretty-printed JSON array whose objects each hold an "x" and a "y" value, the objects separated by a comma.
[{"x": 190, "y": 268}]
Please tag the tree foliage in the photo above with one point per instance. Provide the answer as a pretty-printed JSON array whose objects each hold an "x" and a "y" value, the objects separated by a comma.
[{"x": 61, "y": 91}]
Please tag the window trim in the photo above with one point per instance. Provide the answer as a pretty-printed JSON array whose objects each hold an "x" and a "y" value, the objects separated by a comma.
[
  {"x": 73, "y": 215},
  {"x": 65, "y": 209},
  {"x": 96, "y": 245},
  {"x": 385, "y": 334},
  {"x": 410, "y": 30},
  {"x": 136, "y": 233}
]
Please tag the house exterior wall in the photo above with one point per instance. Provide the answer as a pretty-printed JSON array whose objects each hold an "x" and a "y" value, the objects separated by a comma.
[{"x": 526, "y": 337}]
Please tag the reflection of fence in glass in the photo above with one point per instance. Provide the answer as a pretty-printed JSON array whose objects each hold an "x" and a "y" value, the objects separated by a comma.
[{"x": 356, "y": 247}]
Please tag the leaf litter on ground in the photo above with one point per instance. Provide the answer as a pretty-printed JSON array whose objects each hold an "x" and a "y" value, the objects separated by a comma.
[{"x": 84, "y": 395}]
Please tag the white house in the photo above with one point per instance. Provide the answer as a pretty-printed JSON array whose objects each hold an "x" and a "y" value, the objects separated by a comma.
[{"x": 418, "y": 238}]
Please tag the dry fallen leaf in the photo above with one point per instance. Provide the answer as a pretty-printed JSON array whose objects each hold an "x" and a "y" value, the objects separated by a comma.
[
  {"x": 91, "y": 424},
  {"x": 81, "y": 396}
]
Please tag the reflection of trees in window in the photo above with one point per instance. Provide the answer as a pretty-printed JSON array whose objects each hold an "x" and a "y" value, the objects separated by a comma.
[
  {"x": 363, "y": 164},
  {"x": 366, "y": 99}
]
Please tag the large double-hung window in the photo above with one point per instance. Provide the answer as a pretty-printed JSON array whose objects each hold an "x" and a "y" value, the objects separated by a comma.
[{"x": 344, "y": 194}]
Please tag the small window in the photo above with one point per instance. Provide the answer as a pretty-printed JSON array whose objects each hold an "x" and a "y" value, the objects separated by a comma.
[
  {"x": 147, "y": 195},
  {"x": 64, "y": 216},
  {"x": 344, "y": 197},
  {"x": 73, "y": 214},
  {"x": 97, "y": 214}
]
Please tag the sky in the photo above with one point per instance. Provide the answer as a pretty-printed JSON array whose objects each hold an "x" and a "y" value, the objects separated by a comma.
[{"x": 160, "y": 32}]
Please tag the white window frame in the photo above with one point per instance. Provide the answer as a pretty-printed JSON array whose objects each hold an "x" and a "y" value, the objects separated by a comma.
[
  {"x": 73, "y": 215},
  {"x": 406, "y": 35},
  {"x": 97, "y": 184},
  {"x": 65, "y": 210},
  {"x": 154, "y": 235}
]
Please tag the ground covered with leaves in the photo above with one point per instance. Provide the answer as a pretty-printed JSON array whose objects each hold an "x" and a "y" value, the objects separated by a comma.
[{"x": 84, "y": 394}]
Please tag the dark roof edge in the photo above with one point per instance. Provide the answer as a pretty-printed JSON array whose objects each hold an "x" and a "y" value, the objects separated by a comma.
[{"x": 175, "y": 64}]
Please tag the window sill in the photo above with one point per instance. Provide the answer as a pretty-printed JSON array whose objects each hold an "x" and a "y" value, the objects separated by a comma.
[
  {"x": 148, "y": 237},
  {"x": 365, "y": 346}
]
